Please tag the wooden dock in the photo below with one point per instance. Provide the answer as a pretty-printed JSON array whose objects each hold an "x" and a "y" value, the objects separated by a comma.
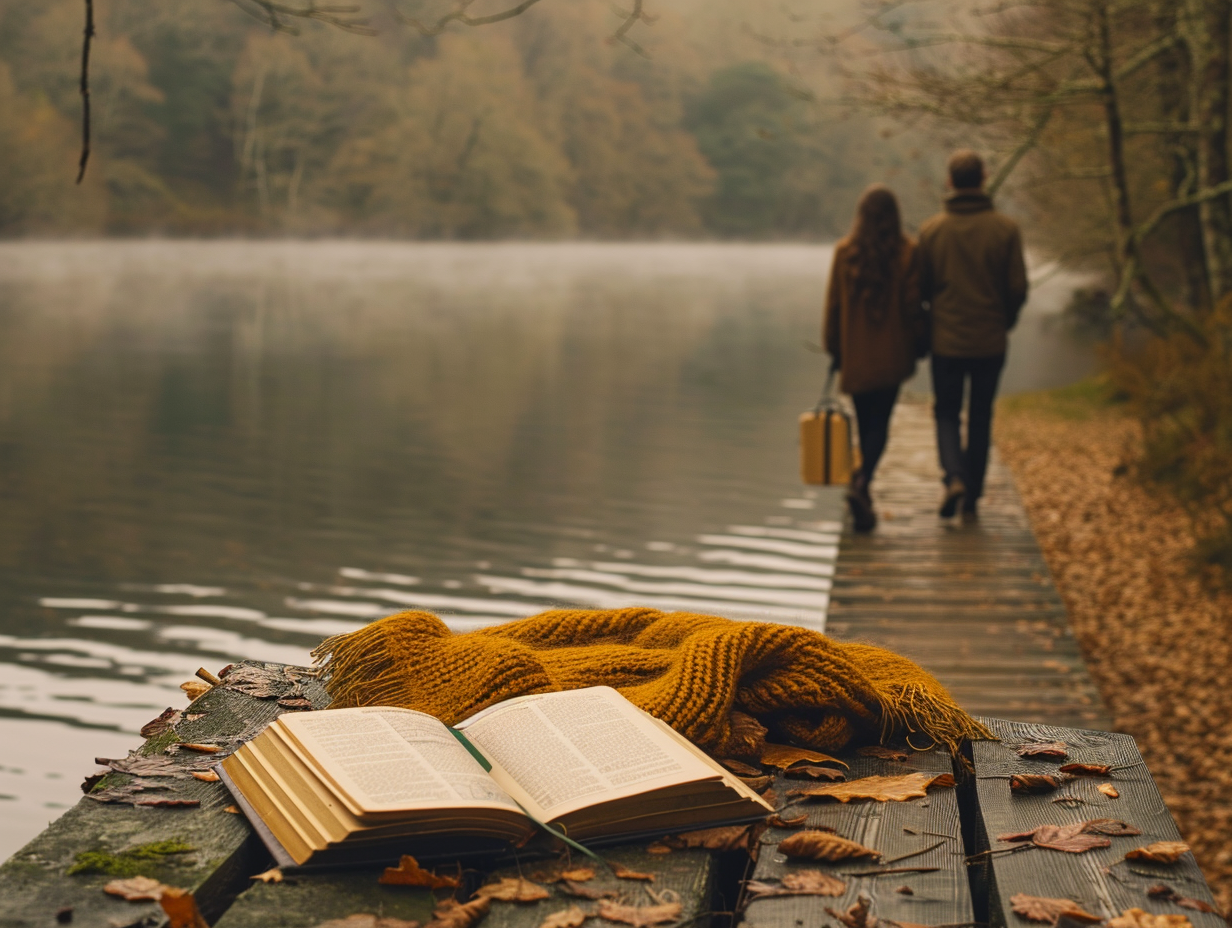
[{"x": 974, "y": 603}]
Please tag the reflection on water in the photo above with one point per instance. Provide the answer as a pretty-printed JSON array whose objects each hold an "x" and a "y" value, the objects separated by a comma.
[{"x": 218, "y": 451}]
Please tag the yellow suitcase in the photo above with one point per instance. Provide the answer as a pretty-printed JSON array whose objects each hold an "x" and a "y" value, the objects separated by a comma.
[{"x": 827, "y": 450}]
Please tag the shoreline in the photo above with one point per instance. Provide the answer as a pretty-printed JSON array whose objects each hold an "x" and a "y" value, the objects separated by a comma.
[{"x": 1156, "y": 640}]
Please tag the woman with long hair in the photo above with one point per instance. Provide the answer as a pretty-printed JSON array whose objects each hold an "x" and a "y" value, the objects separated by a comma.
[{"x": 873, "y": 325}]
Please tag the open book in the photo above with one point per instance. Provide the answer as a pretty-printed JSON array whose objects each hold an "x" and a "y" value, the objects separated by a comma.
[{"x": 351, "y": 785}]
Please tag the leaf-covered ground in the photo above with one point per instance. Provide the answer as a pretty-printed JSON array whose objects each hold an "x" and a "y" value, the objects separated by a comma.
[{"x": 1156, "y": 639}]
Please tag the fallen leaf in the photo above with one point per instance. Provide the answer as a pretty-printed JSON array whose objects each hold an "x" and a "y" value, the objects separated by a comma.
[
  {"x": 195, "y": 689},
  {"x": 881, "y": 789},
  {"x": 1137, "y": 918},
  {"x": 777, "y": 821},
  {"x": 454, "y": 914},
  {"x": 367, "y": 921},
  {"x": 883, "y": 753},
  {"x": 1069, "y": 838},
  {"x": 181, "y": 909},
  {"x": 159, "y": 725},
  {"x": 1033, "y": 783},
  {"x": 234, "y": 810},
  {"x": 571, "y": 917},
  {"x": 155, "y": 765},
  {"x": 201, "y": 748},
  {"x": 639, "y": 916},
  {"x": 1069, "y": 801},
  {"x": 820, "y": 845},
  {"x": 725, "y": 838},
  {"x": 193, "y": 716},
  {"x": 905, "y": 890},
  {"x": 295, "y": 702},
  {"x": 757, "y": 784},
  {"x": 205, "y": 776},
  {"x": 624, "y": 873},
  {"x": 658, "y": 848},
  {"x": 856, "y": 916},
  {"x": 784, "y": 755},
  {"x": 800, "y": 883},
  {"x": 741, "y": 769},
  {"x": 128, "y": 792},
  {"x": 1050, "y": 749},
  {"x": 1043, "y": 909},
  {"x": 409, "y": 873},
  {"x": 259, "y": 681},
  {"x": 578, "y": 874},
  {"x": 1168, "y": 894},
  {"x": 1160, "y": 852},
  {"x": 269, "y": 876},
  {"x": 811, "y": 772},
  {"x": 771, "y": 797},
  {"x": 1108, "y": 790},
  {"x": 509, "y": 889},
  {"x": 1109, "y": 826},
  {"x": 1086, "y": 770},
  {"x": 136, "y": 889},
  {"x": 570, "y": 888}
]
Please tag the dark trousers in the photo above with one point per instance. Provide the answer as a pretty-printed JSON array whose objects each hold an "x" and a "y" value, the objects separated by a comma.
[
  {"x": 950, "y": 376},
  {"x": 873, "y": 410}
]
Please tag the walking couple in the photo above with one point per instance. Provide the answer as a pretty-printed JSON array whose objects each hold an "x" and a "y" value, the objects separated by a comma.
[{"x": 955, "y": 293}]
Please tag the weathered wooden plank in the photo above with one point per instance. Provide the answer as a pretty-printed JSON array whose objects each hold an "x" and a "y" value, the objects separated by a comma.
[
  {"x": 224, "y": 851},
  {"x": 940, "y": 897},
  {"x": 1100, "y": 880},
  {"x": 306, "y": 900}
]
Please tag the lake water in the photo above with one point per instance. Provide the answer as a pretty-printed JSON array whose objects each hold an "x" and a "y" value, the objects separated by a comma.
[{"x": 216, "y": 451}]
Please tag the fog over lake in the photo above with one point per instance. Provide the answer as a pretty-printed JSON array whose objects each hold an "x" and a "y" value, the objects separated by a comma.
[{"x": 218, "y": 451}]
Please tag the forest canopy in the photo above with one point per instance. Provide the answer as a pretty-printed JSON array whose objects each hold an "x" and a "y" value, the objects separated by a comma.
[{"x": 207, "y": 122}]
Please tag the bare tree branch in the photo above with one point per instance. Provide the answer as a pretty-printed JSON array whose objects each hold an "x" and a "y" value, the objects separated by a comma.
[{"x": 85, "y": 91}]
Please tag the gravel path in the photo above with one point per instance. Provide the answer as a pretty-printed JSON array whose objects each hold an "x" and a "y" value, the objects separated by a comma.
[{"x": 1157, "y": 642}]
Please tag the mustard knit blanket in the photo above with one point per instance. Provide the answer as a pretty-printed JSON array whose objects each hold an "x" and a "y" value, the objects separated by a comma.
[{"x": 725, "y": 685}]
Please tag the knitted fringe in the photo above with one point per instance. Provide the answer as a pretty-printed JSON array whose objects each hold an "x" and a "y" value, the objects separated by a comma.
[{"x": 703, "y": 675}]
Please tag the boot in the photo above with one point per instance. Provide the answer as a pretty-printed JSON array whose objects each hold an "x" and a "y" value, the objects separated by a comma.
[{"x": 860, "y": 502}]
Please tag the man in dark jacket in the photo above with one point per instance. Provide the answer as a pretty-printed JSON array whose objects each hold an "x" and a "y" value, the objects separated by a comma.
[{"x": 973, "y": 276}]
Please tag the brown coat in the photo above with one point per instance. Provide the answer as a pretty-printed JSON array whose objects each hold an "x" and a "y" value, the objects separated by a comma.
[
  {"x": 973, "y": 274},
  {"x": 873, "y": 356}
]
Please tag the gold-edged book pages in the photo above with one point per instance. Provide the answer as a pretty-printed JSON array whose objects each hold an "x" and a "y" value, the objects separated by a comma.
[{"x": 339, "y": 785}]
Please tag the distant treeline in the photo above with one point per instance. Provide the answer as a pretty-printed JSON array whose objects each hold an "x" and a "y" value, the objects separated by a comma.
[{"x": 206, "y": 123}]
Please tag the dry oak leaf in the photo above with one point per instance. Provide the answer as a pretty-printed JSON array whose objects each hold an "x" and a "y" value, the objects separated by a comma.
[
  {"x": 512, "y": 889},
  {"x": 725, "y": 838},
  {"x": 578, "y": 874},
  {"x": 136, "y": 889},
  {"x": 800, "y": 883},
  {"x": 569, "y": 888},
  {"x": 883, "y": 753},
  {"x": 159, "y": 725},
  {"x": 856, "y": 916},
  {"x": 1034, "y": 783},
  {"x": 784, "y": 755},
  {"x": 881, "y": 789},
  {"x": 181, "y": 909},
  {"x": 454, "y": 914},
  {"x": 757, "y": 784},
  {"x": 1110, "y": 826},
  {"x": 639, "y": 916},
  {"x": 818, "y": 845},
  {"x": 571, "y": 917},
  {"x": 1043, "y": 909},
  {"x": 1137, "y": 918},
  {"x": 1161, "y": 852},
  {"x": 777, "y": 821},
  {"x": 234, "y": 810},
  {"x": 811, "y": 772},
  {"x": 1072, "y": 839},
  {"x": 367, "y": 921},
  {"x": 206, "y": 776},
  {"x": 269, "y": 876},
  {"x": 1168, "y": 894},
  {"x": 1050, "y": 749},
  {"x": 195, "y": 689},
  {"x": 1086, "y": 770},
  {"x": 1109, "y": 790},
  {"x": 409, "y": 873},
  {"x": 201, "y": 748},
  {"x": 624, "y": 873}
]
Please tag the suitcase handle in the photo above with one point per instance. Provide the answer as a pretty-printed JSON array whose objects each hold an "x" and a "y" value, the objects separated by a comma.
[{"x": 827, "y": 393}]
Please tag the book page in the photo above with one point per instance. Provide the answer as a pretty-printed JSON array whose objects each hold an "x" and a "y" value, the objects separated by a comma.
[
  {"x": 559, "y": 752},
  {"x": 385, "y": 760}
]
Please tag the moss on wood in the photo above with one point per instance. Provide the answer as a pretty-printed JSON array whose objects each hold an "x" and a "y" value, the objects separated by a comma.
[{"x": 129, "y": 862}]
